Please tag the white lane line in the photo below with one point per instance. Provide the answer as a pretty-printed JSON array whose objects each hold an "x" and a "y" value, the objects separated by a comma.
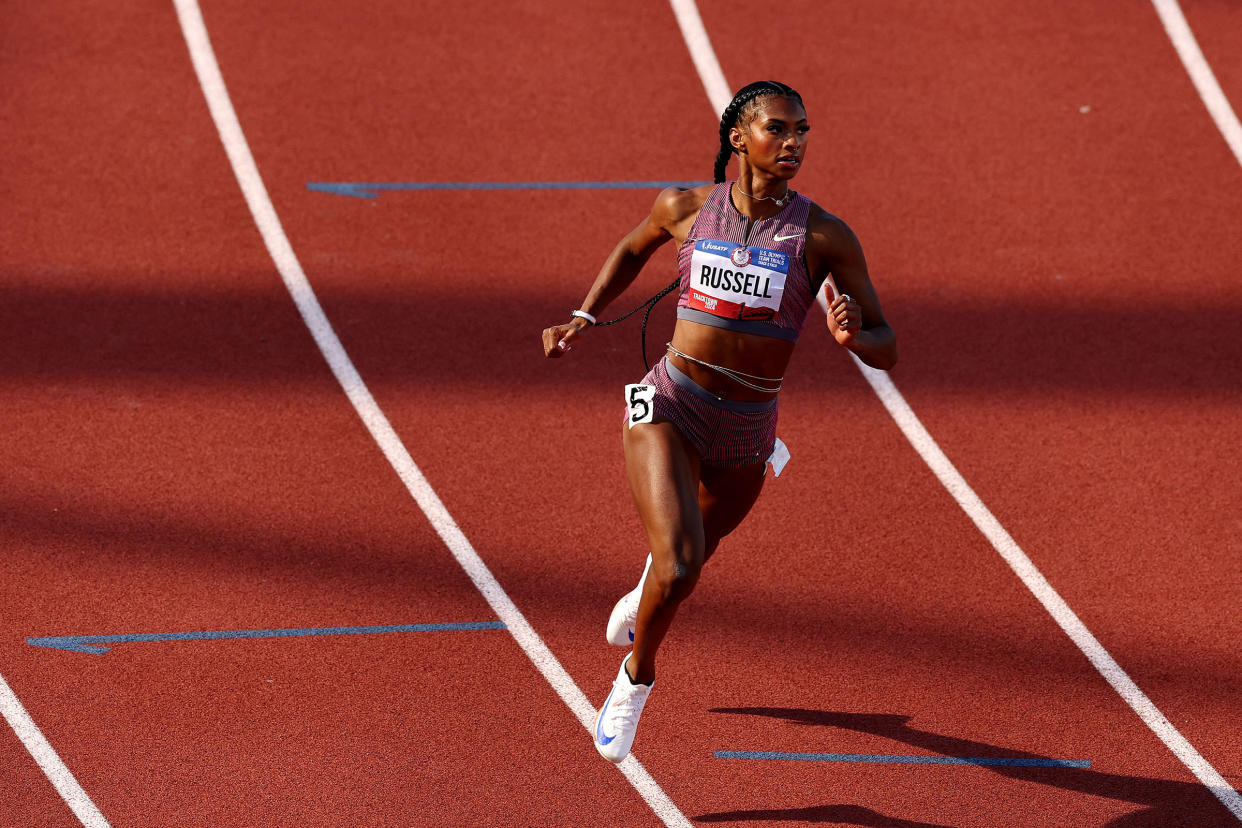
[
  {"x": 281, "y": 251},
  {"x": 704, "y": 56},
  {"x": 974, "y": 507},
  {"x": 1034, "y": 580},
  {"x": 1201, "y": 74},
  {"x": 48, "y": 761}
]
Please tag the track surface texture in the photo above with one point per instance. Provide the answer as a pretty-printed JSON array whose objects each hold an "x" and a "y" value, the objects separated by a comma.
[{"x": 1051, "y": 219}]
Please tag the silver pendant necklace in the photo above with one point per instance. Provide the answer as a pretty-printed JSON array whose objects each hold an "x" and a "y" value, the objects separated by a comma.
[{"x": 779, "y": 202}]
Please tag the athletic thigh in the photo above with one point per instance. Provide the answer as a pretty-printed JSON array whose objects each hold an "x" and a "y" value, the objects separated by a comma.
[
  {"x": 663, "y": 472},
  {"x": 725, "y": 498}
]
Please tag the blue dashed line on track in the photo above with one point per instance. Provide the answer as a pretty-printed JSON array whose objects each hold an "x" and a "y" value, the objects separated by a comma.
[
  {"x": 1017, "y": 761},
  {"x": 359, "y": 189},
  {"x": 79, "y": 643}
]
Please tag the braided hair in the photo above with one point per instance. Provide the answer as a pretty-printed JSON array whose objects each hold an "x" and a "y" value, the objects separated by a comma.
[{"x": 739, "y": 110}]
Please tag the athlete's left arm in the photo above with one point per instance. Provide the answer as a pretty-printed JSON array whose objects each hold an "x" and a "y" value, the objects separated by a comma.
[{"x": 854, "y": 315}]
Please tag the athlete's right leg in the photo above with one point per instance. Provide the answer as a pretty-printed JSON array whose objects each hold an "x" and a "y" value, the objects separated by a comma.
[{"x": 663, "y": 471}]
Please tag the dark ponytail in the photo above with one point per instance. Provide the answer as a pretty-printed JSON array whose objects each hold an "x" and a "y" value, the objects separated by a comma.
[{"x": 734, "y": 112}]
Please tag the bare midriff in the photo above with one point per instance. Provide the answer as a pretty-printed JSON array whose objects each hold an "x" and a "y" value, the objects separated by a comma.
[{"x": 760, "y": 356}]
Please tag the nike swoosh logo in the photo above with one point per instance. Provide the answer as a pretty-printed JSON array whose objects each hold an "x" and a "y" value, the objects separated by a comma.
[
  {"x": 599, "y": 724},
  {"x": 786, "y": 238}
]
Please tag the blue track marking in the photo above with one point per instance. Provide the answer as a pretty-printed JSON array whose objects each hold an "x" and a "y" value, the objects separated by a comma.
[
  {"x": 359, "y": 189},
  {"x": 1015, "y": 762},
  {"x": 78, "y": 643}
]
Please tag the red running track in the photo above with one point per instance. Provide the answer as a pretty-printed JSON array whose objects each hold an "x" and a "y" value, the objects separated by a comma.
[{"x": 179, "y": 457}]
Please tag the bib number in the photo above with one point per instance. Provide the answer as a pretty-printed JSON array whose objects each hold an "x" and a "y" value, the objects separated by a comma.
[{"x": 640, "y": 400}]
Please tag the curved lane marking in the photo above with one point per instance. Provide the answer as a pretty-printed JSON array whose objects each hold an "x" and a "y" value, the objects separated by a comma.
[
  {"x": 1201, "y": 74},
  {"x": 717, "y": 89},
  {"x": 281, "y": 251}
]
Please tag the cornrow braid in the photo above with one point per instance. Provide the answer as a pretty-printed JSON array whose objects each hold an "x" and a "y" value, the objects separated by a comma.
[{"x": 734, "y": 112}]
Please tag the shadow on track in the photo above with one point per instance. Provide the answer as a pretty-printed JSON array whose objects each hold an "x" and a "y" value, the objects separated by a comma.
[
  {"x": 411, "y": 335},
  {"x": 829, "y": 814},
  {"x": 1166, "y": 802}
]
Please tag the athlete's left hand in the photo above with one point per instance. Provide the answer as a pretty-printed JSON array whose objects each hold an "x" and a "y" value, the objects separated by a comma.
[{"x": 844, "y": 318}]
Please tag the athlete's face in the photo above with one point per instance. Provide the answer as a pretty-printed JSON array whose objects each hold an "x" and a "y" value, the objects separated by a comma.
[{"x": 774, "y": 139}]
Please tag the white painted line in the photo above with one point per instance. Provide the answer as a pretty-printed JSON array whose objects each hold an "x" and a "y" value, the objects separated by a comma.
[
  {"x": 1056, "y": 606},
  {"x": 703, "y": 55},
  {"x": 991, "y": 528},
  {"x": 48, "y": 761},
  {"x": 1201, "y": 73},
  {"x": 281, "y": 251}
]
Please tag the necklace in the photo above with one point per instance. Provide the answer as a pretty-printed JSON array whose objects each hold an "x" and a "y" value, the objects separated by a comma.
[{"x": 779, "y": 202}]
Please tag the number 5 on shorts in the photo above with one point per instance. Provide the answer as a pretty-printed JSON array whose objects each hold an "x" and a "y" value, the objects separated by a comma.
[{"x": 640, "y": 399}]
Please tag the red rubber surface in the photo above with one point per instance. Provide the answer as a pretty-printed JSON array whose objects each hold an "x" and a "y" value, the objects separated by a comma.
[{"x": 1051, "y": 219}]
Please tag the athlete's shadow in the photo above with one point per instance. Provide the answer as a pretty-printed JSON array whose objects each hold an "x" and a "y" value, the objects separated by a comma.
[
  {"x": 1165, "y": 803},
  {"x": 831, "y": 814}
]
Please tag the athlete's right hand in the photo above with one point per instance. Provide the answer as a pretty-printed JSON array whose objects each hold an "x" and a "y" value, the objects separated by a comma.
[{"x": 558, "y": 340}]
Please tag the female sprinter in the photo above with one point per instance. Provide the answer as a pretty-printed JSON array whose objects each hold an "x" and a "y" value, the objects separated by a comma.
[{"x": 752, "y": 255}]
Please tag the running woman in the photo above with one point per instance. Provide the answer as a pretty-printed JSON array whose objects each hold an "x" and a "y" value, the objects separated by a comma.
[{"x": 700, "y": 428}]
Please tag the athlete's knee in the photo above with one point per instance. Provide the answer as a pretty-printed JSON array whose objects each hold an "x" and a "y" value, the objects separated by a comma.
[{"x": 678, "y": 575}]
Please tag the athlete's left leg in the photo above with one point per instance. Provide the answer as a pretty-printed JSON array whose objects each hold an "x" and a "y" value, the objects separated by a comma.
[{"x": 725, "y": 498}]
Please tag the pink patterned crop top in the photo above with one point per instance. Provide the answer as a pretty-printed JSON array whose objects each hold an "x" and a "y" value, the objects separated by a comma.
[{"x": 757, "y": 284}]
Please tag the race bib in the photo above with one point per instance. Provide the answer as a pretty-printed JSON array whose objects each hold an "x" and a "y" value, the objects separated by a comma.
[
  {"x": 640, "y": 400},
  {"x": 736, "y": 282}
]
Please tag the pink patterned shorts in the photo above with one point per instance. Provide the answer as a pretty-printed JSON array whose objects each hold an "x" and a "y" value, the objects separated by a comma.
[{"x": 727, "y": 434}]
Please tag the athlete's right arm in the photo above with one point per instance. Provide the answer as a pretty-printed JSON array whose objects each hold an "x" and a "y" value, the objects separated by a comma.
[{"x": 671, "y": 217}]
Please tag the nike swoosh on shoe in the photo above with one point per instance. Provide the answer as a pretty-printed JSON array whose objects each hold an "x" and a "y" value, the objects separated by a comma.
[{"x": 600, "y": 736}]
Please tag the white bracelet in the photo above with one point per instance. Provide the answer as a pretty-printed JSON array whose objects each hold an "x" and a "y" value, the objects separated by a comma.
[{"x": 584, "y": 315}]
